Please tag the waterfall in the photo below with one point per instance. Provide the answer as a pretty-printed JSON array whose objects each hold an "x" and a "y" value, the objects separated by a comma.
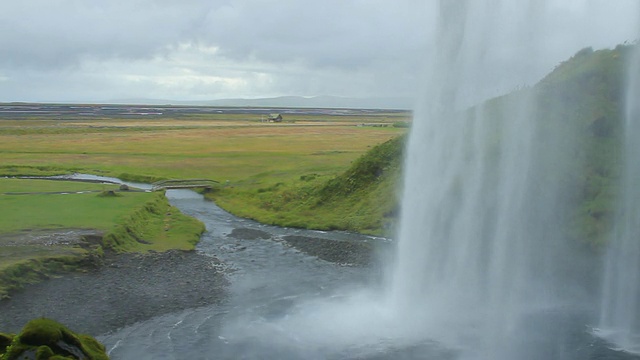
[
  {"x": 487, "y": 266},
  {"x": 620, "y": 309},
  {"x": 481, "y": 240}
]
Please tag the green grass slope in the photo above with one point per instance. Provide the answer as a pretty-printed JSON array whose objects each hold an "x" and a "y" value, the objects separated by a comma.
[
  {"x": 586, "y": 93},
  {"x": 361, "y": 199},
  {"x": 577, "y": 115}
]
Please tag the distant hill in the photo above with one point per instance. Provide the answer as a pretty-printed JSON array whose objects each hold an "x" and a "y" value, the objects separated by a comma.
[{"x": 396, "y": 103}]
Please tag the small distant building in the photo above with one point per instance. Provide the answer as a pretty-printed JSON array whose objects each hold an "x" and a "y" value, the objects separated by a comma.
[{"x": 275, "y": 118}]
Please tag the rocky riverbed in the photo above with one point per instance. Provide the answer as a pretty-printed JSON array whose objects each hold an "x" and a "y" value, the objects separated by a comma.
[{"x": 126, "y": 289}]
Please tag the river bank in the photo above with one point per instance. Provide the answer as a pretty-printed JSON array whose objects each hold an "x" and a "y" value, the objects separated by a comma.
[
  {"x": 132, "y": 287},
  {"x": 126, "y": 289}
]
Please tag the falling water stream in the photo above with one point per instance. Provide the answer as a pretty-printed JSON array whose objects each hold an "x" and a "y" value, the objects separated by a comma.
[
  {"x": 620, "y": 309},
  {"x": 480, "y": 245}
]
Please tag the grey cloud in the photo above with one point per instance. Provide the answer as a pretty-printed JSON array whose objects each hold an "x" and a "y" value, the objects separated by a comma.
[
  {"x": 84, "y": 49},
  {"x": 330, "y": 33},
  {"x": 345, "y": 34},
  {"x": 42, "y": 34}
]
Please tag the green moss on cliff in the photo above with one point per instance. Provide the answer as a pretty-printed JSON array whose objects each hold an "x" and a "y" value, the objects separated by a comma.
[
  {"x": 586, "y": 93},
  {"x": 577, "y": 111},
  {"x": 44, "y": 339}
]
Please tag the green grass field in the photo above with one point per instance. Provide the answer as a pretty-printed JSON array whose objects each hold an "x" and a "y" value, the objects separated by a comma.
[
  {"x": 216, "y": 152},
  {"x": 51, "y": 211},
  {"x": 44, "y": 224}
]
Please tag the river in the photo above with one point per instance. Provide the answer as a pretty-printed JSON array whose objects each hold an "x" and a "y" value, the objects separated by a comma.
[{"x": 269, "y": 280}]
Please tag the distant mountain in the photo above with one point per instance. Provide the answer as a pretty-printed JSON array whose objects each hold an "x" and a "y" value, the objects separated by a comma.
[
  {"x": 290, "y": 101},
  {"x": 319, "y": 102}
]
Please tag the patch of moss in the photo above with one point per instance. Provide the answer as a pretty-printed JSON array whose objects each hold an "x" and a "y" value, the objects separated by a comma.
[
  {"x": 45, "y": 339},
  {"x": 5, "y": 341}
]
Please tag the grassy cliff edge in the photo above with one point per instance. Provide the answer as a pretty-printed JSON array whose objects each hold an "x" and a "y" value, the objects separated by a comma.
[
  {"x": 361, "y": 199},
  {"x": 152, "y": 225}
]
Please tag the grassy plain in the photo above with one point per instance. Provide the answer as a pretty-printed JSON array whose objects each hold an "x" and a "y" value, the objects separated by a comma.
[
  {"x": 233, "y": 150},
  {"x": 40, "y": 210}
]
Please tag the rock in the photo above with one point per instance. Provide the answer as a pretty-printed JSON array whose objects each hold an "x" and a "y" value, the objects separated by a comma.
[
  {"x": 341, "y": 252},
  {"x": 43, "y": 339},
  {"x": 108, "y": 193},
  {"x": 5, "y": 340}
]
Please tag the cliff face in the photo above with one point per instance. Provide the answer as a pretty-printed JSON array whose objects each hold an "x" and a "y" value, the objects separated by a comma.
[{"x": 579, "y": 107}]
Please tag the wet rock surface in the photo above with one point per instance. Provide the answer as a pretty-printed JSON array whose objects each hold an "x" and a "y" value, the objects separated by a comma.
[
  {"x": 49, "y": 237},
  {"x": 128, "y": 288},
  {"x": 341, "y": 252},
  {"x": 249, "y": 234}
]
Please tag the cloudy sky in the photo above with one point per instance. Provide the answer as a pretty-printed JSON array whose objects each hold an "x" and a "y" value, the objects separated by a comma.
[{"x": 78, "y": 50}]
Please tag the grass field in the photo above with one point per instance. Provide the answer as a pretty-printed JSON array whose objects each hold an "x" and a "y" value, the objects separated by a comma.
[
  {"x": 45, "y": 224},
  {"x": 51, "y": 211},
  {"x": 29, "y": 185},
  {"x": 215, "y": 150}
]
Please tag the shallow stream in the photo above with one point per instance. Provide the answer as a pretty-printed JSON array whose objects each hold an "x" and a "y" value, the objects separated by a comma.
[{"x": 268, "y": 280}]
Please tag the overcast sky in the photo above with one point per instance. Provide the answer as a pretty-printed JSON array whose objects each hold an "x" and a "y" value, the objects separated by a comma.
[{"x": 78, "y": 50}]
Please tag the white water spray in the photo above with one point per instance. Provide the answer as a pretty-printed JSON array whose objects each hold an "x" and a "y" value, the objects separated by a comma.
[
  {"x": 620, "y": 310},
  {"x": 481, "y": 239}
]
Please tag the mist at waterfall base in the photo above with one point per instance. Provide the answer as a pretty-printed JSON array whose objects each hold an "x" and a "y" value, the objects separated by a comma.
[{"x": 483, "y": 269}]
